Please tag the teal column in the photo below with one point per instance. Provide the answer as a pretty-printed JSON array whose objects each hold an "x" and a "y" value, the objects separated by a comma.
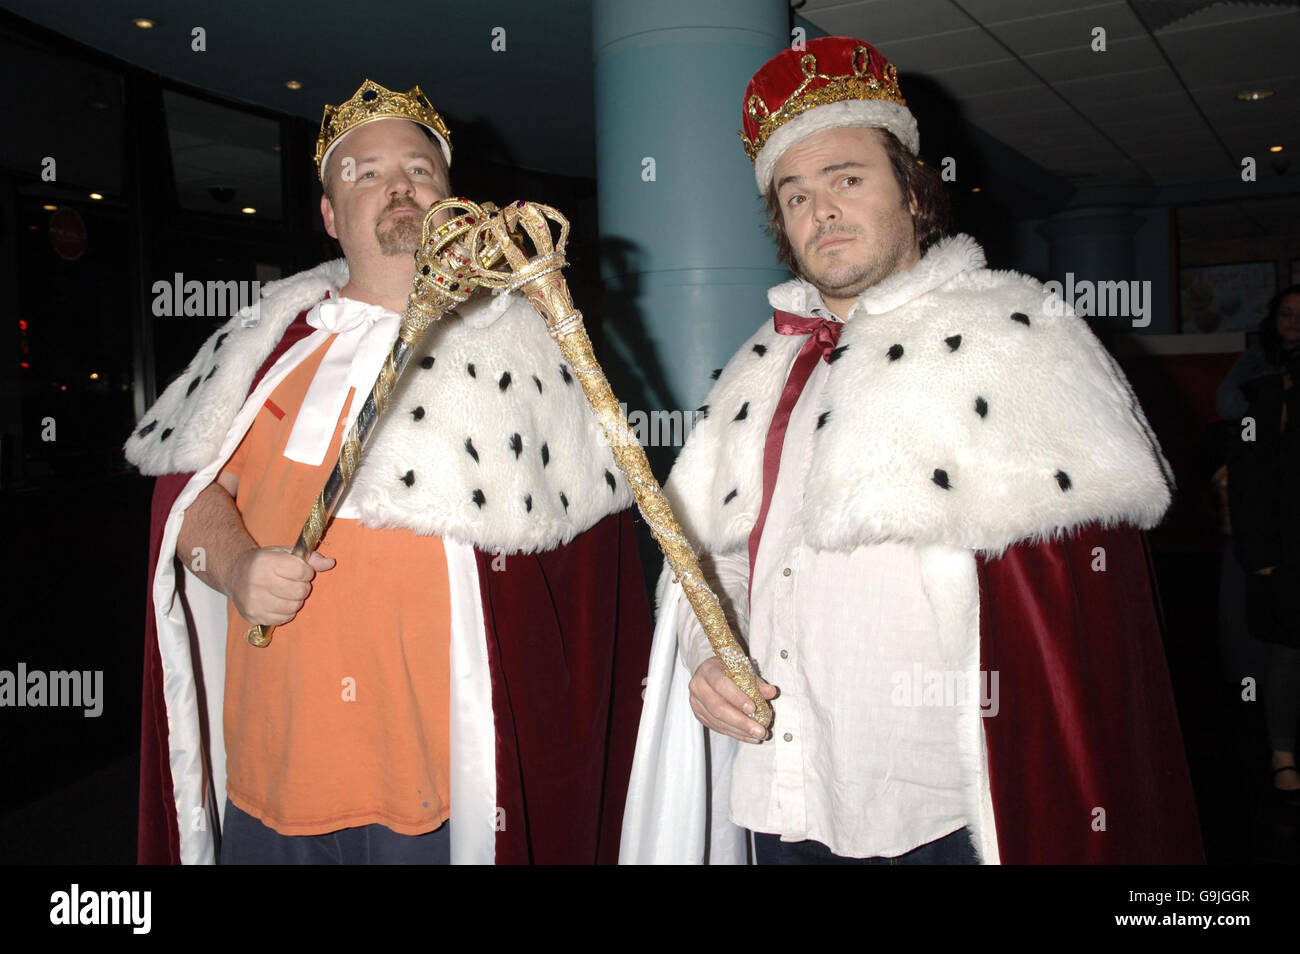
[
  {"x": 685, "y": 260},
  {"x": 1106, "y": 235}
]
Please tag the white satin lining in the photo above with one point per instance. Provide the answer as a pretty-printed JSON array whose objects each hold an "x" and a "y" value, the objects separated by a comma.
[{"x": 363, "y": 337}]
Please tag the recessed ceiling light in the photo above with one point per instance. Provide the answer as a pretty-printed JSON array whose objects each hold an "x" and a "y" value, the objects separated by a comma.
[
  {"x": 49, "y": 208},
  {"x": 1254, "y": 95},
  {"x": 1274, "y": 148},
  {"x": 94, "y": 376},
  {"x": 144, "y": 23},
  {"x": 293, "y": 84},
  {"x": 975, "y": 189},
  {"x": 248, "y": 210},
  {"x": 96, "y": 195}
]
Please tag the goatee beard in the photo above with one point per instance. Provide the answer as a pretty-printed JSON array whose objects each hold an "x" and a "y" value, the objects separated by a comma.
[{"x": 402, "y": 237}]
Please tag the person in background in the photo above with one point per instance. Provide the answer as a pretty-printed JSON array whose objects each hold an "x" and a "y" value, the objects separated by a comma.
[{"x": 1264, "y": 503}]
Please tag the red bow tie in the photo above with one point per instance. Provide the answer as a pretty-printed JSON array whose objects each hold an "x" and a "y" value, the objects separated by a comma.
[{"x": 825, "y": 334}]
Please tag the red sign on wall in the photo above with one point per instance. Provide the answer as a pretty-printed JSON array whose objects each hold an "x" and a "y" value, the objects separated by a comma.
[{"x": 68, "y": 234}]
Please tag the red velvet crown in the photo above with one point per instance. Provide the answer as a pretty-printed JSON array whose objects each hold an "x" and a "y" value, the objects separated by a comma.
[{"x": 832, "y": 69}]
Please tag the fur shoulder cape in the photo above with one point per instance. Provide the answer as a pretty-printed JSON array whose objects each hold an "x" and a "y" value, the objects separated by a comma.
[
  {"x": 488, "y": 439},
  {"x": 964, "y": 406}
]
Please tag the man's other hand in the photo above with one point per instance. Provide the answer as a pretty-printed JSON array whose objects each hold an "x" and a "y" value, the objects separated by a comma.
[
  {"x": 720, "y": 704},
  {"x": 270, "y": 584}
]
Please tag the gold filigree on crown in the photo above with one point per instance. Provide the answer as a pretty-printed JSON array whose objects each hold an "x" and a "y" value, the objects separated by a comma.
[
  {"x": 372, "y": 102},
  {"x": 862, "y": 83}
]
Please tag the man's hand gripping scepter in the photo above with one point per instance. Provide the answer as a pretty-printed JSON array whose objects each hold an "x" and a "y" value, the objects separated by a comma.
[{"x": 515, "y": 229}]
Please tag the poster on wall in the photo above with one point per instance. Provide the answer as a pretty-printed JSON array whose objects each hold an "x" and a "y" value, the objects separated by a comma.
[{"x": 1225, "y": 297}]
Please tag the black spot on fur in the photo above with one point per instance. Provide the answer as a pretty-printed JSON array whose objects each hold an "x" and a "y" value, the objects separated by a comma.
[
  {"x": 730, "y": 497},
  {"x": 895, "y": 352},
  {"x": 1021, "y": 317},
  {"x": 212, "y": 372},
  {"x": 418, "y": 413},
  {"x": 221, "y": 339},
  {"x": 609, "y": 479},
  {"x": 165, "y": 434},
  {"x": 742, "y": 413},
  {"x": 1063, "y": 480},
  {"x": 836, "y": 354},
  {"x": 469, "y": 449},
  {"x": 528, "y": 503},
  {"x": 147, "y": 429},
  {"x": 426, "y": 363},
  {"x": 941, "y": 478},
  {"x": 953, "y": 343},
  {"x": 703, "y": 411},
  {"x": 716, "y": 373},
  {"x": 981, "y": 407},
  {"x": 516, "y": 445},
  {"x": 564, "y": 500},
  {"x": 479, "y": 499},
  {"x": 537, "y": 381},
  {"x": 504, "y": 382},
  {"x": 822, "y": 418},
  {"x": 564, "y": 373},
  {"x": 760, "y": 350},
  {"x": 193, "y": 384},
  {"x": 546, "y": 454},
  {"x": 470, "y": 368},
  {"x": 408, "y": 478}
]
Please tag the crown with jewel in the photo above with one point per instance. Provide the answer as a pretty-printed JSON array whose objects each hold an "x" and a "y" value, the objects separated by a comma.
[
  {"x": 372, "y": 102},
  {"x": 834, "y": 81}
]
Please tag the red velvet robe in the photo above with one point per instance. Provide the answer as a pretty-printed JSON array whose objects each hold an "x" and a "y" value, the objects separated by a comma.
[{"x": 1087, "y": 718}]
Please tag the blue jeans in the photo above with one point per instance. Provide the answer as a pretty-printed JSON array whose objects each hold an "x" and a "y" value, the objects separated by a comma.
[
  {"x": 246, "y": 841},
  {"x": 954, "y": 849}
]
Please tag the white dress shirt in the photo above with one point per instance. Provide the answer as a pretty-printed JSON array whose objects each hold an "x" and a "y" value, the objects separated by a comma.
[{"x": 854, "y": 761}]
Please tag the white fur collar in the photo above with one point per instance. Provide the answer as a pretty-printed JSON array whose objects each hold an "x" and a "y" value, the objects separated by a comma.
[
  {"x": 959, "y": 410},
  {"x": 948, "y": 258},
  {"x": 488, "y": 440}
]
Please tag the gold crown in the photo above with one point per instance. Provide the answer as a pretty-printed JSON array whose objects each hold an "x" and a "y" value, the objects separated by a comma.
[
  {"x": 867, "y": 81},
  {"x": 372, "y": 102}
]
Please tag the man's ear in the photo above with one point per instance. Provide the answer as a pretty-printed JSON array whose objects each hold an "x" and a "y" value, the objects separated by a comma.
[
  {"x": 912, "y": 204},
  {"x": 327, "y": 215}
]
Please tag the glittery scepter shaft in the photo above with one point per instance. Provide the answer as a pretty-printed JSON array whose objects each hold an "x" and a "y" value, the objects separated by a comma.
[
  {"x": 442, "y": 281},
  {"x": 540, "y": 277}
]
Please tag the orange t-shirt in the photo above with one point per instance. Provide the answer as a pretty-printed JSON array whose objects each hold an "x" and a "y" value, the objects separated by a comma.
[{"x": 343, "y": 720}]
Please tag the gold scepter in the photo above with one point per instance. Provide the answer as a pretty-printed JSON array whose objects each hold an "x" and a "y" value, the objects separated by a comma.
[
  {"x": 443, "y": 279},
  {"x": 541, "y": 279}
]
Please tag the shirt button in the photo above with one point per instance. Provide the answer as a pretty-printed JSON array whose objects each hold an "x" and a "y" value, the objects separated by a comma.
[
  {"x": 784, "y": 654},
  {"x": 788, "y": 737},
  {"x": 785, "y": 572}
]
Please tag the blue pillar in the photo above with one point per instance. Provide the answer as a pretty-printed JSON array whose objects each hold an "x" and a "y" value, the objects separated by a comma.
[
  {"x": 1106, "y": 235},
  {"x": 684, "y": 257}
]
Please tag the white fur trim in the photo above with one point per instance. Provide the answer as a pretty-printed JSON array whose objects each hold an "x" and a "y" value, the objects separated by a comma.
[
  {"x": 1054, "y": 402},
  {"x": 850, "y": 112},
  {"x": 523, "y": 495}
]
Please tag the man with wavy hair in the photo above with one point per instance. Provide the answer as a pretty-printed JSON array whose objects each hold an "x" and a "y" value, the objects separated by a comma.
[{"x": 918, "y": 490}]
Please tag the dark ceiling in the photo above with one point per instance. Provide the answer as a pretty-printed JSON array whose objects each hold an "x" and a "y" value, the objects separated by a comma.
[
  {"x": 538, "y": 91},
  {"x": 1158, "y": 104}
]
